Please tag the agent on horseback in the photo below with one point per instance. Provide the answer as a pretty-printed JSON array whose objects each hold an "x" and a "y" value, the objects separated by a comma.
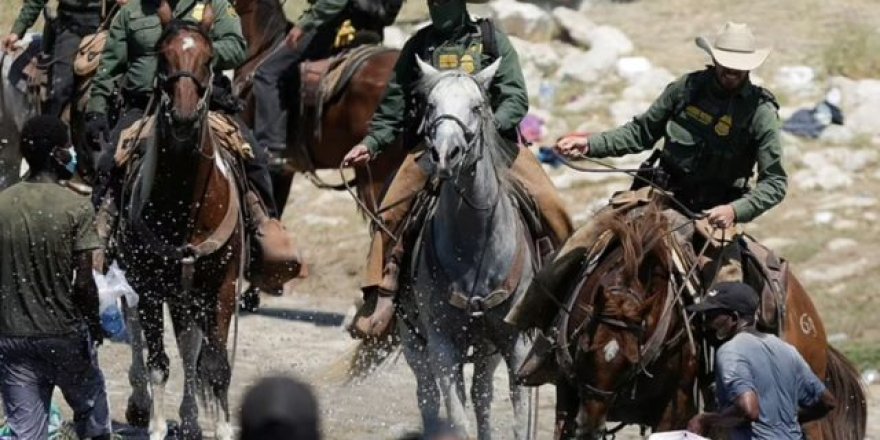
[
  {"x": 452, "y": 41},
  {"x": 716, "y": 126},
  {"x": 131, "y": 53},
  {"x": 61, "y": 39},
  {"x": 313, "y": 37}
]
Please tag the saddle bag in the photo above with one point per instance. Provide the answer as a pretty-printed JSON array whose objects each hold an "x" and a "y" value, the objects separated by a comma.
[{"x": 88, "y": 56}]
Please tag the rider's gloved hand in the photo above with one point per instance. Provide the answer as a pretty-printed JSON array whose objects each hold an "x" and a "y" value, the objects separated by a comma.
[
  {"x": 359, "y": 155},
  {"x": 96, "y": 127}
]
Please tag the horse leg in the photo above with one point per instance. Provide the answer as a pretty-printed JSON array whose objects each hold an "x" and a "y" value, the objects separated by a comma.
[
  {"x": 137, "y": 413},
  {"x": 152, "y": 319},
  {"x": 214, "y": 367},
  {"x": 567, "y": 403},
  {"x": 514, "y": 356},
  {"x": 189, "y": 337},
  {"x": 446, "y": 360},
  {"x": 482, "y": 390},
  {"x": 427, "y": 393}
]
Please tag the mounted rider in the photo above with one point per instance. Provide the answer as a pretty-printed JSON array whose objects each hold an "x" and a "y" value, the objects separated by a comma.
[
  {"x": 452, "y": 41},
  {"x": 131, "y": 53},
  {"x": 75, "y": 19},
  {"x": 717, "y": 126},
  {"x": 313, "y": 37}
]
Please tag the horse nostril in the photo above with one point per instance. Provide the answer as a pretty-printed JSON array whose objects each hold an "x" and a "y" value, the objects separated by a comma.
[
  {"x": 454, "y": 152},
  {"x": 435, "y": 155}
]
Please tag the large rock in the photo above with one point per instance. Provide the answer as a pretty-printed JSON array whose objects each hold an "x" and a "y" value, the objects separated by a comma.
[
  {"x": 524, "y": 20},
  {"x": 860, "y": 102},
  {"x": 606, "y": 45},
  {"x": 796, "y": 80}
]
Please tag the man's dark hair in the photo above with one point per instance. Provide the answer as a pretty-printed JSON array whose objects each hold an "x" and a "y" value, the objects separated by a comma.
[
  {"x": 279, "y": 408},
  {"x": 39, "y": 136}
]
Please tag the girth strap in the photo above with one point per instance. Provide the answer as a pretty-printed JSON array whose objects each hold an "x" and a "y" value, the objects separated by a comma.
[{"x": 477, "y": 305}]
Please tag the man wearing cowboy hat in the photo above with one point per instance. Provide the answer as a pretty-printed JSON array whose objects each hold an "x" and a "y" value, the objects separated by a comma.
[
  {"x": 453, "y": 41},
  {"x": 716, "y": 127}
]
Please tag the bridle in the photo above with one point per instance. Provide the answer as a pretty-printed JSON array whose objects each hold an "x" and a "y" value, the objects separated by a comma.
[
  {"x": 166, "y": 80},
  {"x": 474, "y": 149}
]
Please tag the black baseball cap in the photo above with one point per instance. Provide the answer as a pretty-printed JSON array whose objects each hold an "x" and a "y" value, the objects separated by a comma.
[
  {"x": 732, "y": 296},
  {"x": 280, "y": 408}
]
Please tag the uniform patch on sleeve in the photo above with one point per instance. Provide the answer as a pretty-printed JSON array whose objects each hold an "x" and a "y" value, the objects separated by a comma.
[{"x": 198, "y": 11}]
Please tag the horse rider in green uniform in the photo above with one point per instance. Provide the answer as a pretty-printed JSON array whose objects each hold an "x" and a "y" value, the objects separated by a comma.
[
  {"x": 131, "y": 53},
  {"x": 62, "y": 35},
  {"x": 452, "y": 41},
  {"x": 717, "y": 126},
  {"x": 313, "y": 37}
]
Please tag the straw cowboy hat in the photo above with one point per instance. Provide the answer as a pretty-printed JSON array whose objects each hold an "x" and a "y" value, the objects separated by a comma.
[{"x": 734, "y": 48}]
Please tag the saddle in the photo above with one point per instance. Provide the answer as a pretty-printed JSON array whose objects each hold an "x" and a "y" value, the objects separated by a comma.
[{"x": 321, "y": 84}]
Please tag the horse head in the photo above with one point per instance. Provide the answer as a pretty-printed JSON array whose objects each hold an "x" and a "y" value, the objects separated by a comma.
[
  {"x": 185, "y": 73},
  {"x": 620, "y": 308},
  {"x": 457, "y": 114}
]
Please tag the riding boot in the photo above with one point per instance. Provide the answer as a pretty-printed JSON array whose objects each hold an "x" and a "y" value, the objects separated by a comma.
[
  {"x": 276, "y": 260},
  {"x": 374, "y": 319}
]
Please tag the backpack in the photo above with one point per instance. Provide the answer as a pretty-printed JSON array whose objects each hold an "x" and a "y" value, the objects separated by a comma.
[{"x": 382, "y": 12}]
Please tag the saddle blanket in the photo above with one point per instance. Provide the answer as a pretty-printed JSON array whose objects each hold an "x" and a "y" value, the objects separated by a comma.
[{"x": 224, "y": 129}]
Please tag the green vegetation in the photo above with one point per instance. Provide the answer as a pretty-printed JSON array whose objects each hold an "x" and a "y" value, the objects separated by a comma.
[{"x": 852, "y": 52}]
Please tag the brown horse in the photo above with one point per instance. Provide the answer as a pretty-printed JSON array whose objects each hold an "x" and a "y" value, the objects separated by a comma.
[
  {"x": 182, "y": 239},
  {"x": 630, "y": 354},
  {"x": 345, "y": 120}
]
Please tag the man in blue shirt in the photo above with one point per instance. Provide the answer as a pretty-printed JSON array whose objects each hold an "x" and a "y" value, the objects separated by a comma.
[{"x": 764, "y": 388}]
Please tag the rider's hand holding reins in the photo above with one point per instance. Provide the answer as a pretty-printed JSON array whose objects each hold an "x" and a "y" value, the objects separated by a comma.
[
  {"x": 359, "y": 155},
  {"x": 294, "y": 36},
  {"x": 9, "y": 42},
  {"x": 722, "y": 216},
  {"x": 573, "y": 145}
]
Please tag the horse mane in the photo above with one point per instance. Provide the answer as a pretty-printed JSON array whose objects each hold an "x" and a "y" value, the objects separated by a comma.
[
  {"x": 494, "y": 143},
  {"x": 637, "y": 236}
]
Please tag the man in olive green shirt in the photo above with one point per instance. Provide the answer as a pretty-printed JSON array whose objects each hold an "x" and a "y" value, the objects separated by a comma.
[
  {"x": 61, "y": 39},
  {"x": 452, "y": 41},
  {"x": 716, "y": 126},
  {"x": 49, "y": 324}
]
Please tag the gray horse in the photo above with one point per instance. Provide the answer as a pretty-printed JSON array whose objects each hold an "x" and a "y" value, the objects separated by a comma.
[{"x": 471, "y": 258}]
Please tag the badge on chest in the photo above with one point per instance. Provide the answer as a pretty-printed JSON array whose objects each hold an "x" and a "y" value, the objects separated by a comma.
[{"x": 467, "y": 59}]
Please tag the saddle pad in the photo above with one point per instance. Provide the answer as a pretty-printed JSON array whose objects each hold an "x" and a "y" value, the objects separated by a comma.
[{"x": 227, "y": 134}]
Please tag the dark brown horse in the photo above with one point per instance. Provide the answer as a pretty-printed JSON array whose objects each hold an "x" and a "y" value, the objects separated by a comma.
[
  {"x": 181, "y": 239},
  {"x": 345, "y": 120},
  {"x": 630, "y": 355}
]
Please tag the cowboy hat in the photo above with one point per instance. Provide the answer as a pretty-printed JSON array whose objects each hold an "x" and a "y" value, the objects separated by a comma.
[{"x": 734, "y": 48}]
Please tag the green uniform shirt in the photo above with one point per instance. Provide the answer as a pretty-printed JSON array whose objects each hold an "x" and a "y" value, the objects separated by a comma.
[
  {"x": 510, "y": 101},
  {"x": 323, "y": 12},
  {"x": 131, "y": 45},
  {"x": 42, "y": 227},
  {"x": 714, "y": 142},
  {"x": 31, "y": 9}
]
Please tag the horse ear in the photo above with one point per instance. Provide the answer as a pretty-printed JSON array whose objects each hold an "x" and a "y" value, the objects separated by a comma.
[
  {"x": 207, "y": 19},
  {"x": 427, "y": 69},
  {"x": 484, "y": 77},
  {"x": 165, "y": 13}
]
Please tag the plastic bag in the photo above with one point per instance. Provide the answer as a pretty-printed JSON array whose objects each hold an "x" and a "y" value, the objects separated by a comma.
[{"x": 112, "y": 287}]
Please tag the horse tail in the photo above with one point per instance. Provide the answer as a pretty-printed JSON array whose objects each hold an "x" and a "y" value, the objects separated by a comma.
[
  {"x": 363, "y": 358},
  {"x": 847, "y": 420}
]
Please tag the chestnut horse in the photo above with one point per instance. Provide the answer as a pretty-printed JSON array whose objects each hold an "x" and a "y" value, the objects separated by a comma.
[
  {"x": 630, "y": 353},
  {"x": 182, "y": 240},
  {"x": 345, "y": 120}
]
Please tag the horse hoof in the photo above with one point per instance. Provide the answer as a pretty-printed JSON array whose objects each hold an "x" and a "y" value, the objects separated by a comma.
[
  {"x": 250, "y": 300},
  {"x": 188, "y": 432},
  {"x": 136, "y": 416}
]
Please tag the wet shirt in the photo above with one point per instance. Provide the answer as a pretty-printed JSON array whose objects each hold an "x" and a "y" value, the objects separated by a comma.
[
  {"x": 462, "y": 50},
  {"x": 42, "y": 227},
  {"x": 713, "y": 142},
  {"x": 131, "y": 45},
  {"x": 777, "y": 373}
]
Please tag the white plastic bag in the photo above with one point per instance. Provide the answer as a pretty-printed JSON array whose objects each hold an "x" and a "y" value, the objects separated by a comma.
[
  {"x": 113, "y": 286},
  {"x": 676, "y": 435}
]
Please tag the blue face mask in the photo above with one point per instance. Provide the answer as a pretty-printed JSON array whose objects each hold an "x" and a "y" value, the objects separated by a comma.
[{"x": 71, "y": 166}]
